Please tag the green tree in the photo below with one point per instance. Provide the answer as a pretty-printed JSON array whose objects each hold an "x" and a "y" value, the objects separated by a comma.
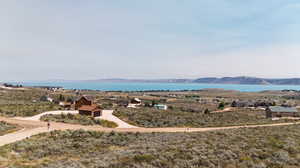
[
  {"x": 206, "y": 111},
  {"x": 43, "y": 98},
  {"x": 61, "y": 97},
  {"x": 221, "y": 106}
]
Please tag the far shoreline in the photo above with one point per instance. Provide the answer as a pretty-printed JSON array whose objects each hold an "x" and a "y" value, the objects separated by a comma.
[{"x": 157, "y": 87}]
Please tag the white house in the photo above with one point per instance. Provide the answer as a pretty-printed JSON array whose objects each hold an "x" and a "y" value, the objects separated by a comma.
[
  {"x": 131, "y": 105},
  {"x": 49, "y": 99},
  {"x": 136, "y": 101},
  {"x": 161, "y": 107}
]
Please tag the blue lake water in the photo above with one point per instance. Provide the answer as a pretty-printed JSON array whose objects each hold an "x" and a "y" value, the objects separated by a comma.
[{"x": 107, "y": 86}]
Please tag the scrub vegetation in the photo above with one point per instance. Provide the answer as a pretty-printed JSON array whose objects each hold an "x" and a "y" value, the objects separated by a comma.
[
  {"x": 6, "y": 128},
  {"x": 24, "y": 103},
  {"x": 78, "y": 119},
  {"x": 149, "y": 117},
  {"x": 28, "y": 109},
  {"x": 269, "y": 147}
]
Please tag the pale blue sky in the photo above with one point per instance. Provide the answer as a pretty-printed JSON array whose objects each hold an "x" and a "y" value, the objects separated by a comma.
[{"x": 89, "y": 39}]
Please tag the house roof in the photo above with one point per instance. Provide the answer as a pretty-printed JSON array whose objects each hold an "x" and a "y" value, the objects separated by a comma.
[
  {"x": 65, "y": 103},
  {"x": 160, "y": 105},
  {"x": 137, "y": 99},
  {"x": 89, "y": 98},
  {"x": 283, "y": 109},
  {"x": 92, "y": 107}
]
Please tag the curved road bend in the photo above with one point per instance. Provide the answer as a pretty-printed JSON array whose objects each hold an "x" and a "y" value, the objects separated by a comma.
[{"x": 36, "y": 127}]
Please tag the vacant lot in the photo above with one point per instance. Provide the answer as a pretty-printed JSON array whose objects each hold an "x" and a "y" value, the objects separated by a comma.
[
  {"x": 271, "y": 147},
  {"x": 78, "y": 119},
  {"x": 29, "y": 109},
  {"x": 24, "y": 102},
  {"x": 6, "y": 128},
  {"x": 149, "y": 117}
]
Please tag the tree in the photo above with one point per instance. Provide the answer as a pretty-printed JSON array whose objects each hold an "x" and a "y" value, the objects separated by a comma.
[
  {"x": 206, "y": 111},
  {"x": 43, "y": 98},
  {"x": 61, "y": 98},
  {"x": 154, "y": 102},
  {"x": 234, "y": 104},
  {"x": 147, "y": 104},
  {"x": 70, "y": 100},
  {"x": 221, "y": 105}
]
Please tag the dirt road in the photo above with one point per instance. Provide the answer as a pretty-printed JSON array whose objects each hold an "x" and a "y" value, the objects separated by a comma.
[
  {"x": 108, "y": 115},
  {"x": 31, "y": 128},
  {"x": 223, "y": 111}
]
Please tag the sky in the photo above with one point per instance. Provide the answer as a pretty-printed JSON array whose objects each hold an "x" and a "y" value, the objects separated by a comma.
[{"x": 94, "y": 39}]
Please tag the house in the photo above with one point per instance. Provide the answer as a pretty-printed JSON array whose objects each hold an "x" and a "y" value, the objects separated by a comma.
[
  {"x": 279, "y": 111},
  {"x": 131, "y": 106},
  {"x": 49, "y": 99},
  {"x": 136, "y": 101},
  {"x": 161, "y": 106},
  {"x": 66, "y": 105},
  {"x": 90, "y": 110},
  {"x": 82, "y": 101},
  {"x": 241, "y": 103}
]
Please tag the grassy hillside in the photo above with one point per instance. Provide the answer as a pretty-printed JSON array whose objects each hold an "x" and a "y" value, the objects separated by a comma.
[{"x": 273, "y": 147}]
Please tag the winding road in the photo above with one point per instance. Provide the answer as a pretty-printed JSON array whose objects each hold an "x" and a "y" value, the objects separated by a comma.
[{"x": 33, "y": 126}]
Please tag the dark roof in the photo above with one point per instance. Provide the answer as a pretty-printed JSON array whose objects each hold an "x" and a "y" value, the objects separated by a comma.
[{"x": 283, "y": 109}]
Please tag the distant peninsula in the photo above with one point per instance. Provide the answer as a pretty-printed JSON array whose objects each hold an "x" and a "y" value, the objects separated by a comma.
[{"x": 211, "y": 80}]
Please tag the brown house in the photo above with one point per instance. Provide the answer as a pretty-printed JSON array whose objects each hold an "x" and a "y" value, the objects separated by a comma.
[
  {"x": 82, "y": 101},
  {"x": 90, "y": 110}
]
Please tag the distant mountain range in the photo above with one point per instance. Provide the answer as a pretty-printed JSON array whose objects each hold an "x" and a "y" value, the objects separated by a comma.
[{"x": 212, "y": 80}]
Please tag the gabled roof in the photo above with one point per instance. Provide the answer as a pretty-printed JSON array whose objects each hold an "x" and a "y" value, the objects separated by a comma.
[
  {"x": 283, "y": 109},
  {"x": 89, "y": 98}
]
